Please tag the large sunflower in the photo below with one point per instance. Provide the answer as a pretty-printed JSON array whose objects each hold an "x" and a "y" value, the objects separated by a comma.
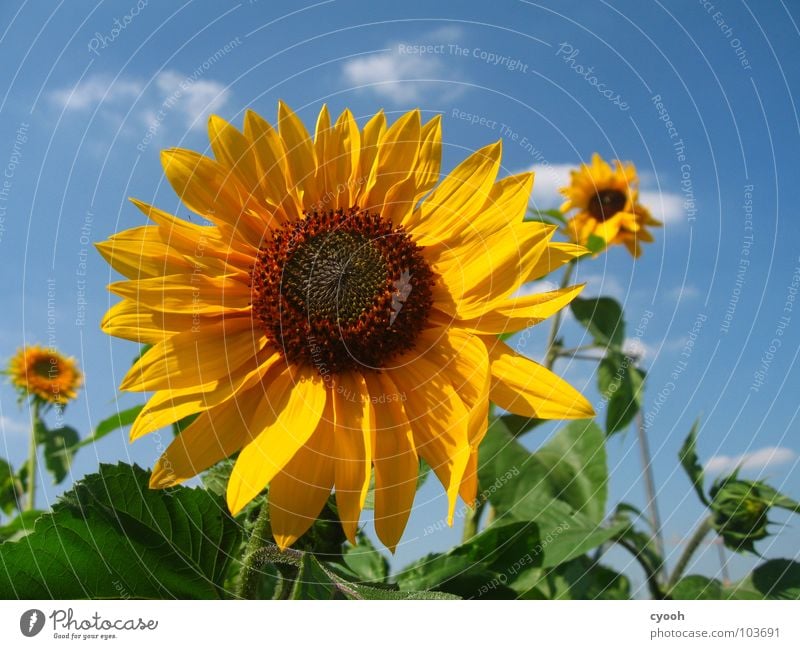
[
  {"x": 340, "y": 313},
  {"x": 45, "y": 374},
  {"x": 608, "y": 204}
]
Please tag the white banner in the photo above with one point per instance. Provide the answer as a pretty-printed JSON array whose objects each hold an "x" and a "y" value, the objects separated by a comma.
[{"x": 377, "y": 624}]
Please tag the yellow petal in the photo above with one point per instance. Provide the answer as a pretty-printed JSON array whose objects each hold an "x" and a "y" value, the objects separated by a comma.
[
  {"x": 396, "y": 160},
  {"x": 514, "y": 314},
  {"x": 212, "y": 191},
  {"x": 270, "y": 158},
  {"x": 457, "y": 199},
  {"x": 524, "y": 387},
  {"x": 196, "y": 357},
  {"x": 370, "y": 136},
  {"x": 213, "y": 436},
  {"x": 140, "y": 253},
  {"x": 166, "y": 407},
  {"x": 298, "y": 493},
  {"x": 283, "y": 421},
  {"x": 300, "y": 157},
  {"x": 188, "y": 293},
  {"x": 323, "y": 147},
  {"x": 438, "y": 418},
  {"x": 429, "y": 159},
  {"x": 232, "y": 150},
  {"x": 354, "y": 422},
  {"x": 475, "y": 278},
  {"x": 396, "y": 462}
]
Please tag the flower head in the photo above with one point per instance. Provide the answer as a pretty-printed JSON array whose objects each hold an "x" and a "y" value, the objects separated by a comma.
[
  {"x": 338, "y": 316},
  {"x": 45, "y": 375},
  {"x": 607, "y": 200}
]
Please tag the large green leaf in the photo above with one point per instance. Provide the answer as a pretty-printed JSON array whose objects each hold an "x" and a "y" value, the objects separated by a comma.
[
  {"x": 603, "y": 318},
  {"x": 20, "y": 526},
  {"x": 59, "y": 447},
  {"x": 691, "y": 463},
  {"x": 580, "y": 578},
  {"x": 111, "y": 536},
  {"x": 570, "y": 467},
  {"x": 620, "y": 383},
  {"x": 365, "y": 561}
]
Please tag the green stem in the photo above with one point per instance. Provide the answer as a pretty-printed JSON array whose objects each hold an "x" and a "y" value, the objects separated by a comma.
[
  {"x": 552, "y": 350},
  {"x": 691, "y": 547},
  {"x": 473, "y": 521},
  {"x": 32, "y": 455},
  {"x": 259, "y": 538},
  {"x": 653, "y": 584}
]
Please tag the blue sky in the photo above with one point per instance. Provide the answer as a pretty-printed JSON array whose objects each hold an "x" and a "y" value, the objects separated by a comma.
[{"x": 88, "y": 103}]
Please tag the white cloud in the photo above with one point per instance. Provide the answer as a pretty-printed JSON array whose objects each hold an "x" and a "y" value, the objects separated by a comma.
[
  {"x": 665, "y": 206},
  {"x": 637, "y": 348},
  {"x": 191, "y": 98},
  {"x": 759, "y": 459},
  {"x": 683, "y": 293},
  {"x": 406, "y": 78},
  {"x": 94, "y": 90},
  {"x": 196, "y": 100},
  {"x": 546, "y": 182},
  {"x": 10, "y": 426}
]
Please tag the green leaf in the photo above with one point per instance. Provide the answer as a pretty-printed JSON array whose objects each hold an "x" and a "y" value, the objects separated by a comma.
[
  {"x": 580, "y": 578},
  {"x": 9, "y": 488},
  {"x": 111, "y": 536},
  {"x": 312, "y": 581},
  {"x": 603, "y": 318},
  {"x": 620, "y": 383},
  {"x": 691, "y": 463},
  {"x": 518, "y": 425},
  {"x": 570, "y": 467},
  {"x": 596, "y": 244},
  {"x": 20, "y": 526},
  {"x": 697, "y": 587},
  {"x": 546, "y": 216},
  {"x": 118, "y": 420},
  {"x": 59, "y": 447},
  {"x": 365, "y": 561}
]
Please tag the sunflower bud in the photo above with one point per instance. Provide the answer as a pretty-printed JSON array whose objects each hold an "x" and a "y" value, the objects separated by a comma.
[{"x": 740, "y": 510}]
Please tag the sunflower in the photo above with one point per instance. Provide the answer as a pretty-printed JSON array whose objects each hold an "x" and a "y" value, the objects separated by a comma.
[
  {"x": 338, "y": 316},
  {"x": 608, "y": 204},
  {"x": 45, "y": 374}
]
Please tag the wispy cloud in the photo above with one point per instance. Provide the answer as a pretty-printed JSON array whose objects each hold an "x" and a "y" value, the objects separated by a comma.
[
  {"x": 192, "y": 98},
  {"x": 10, "y": 426},
  {"x": 406, "y": 78},
  {"x": 759, "y": 459},
  {"x": 94, "y": 90}
]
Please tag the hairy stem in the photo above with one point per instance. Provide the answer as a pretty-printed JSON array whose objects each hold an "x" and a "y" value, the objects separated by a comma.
[
  {"x": 706, "y": 525},
  {"x": 649, "y": 483},
  {"x": 552, "y": 351},
  {"x": 252, "y": 561}
]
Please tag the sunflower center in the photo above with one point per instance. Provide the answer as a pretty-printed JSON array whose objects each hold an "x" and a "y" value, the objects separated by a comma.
[
  {"x": 341, "y": 290},
  {"x": 606, "y": 203},
  {"x": 46, "y": 368}
]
